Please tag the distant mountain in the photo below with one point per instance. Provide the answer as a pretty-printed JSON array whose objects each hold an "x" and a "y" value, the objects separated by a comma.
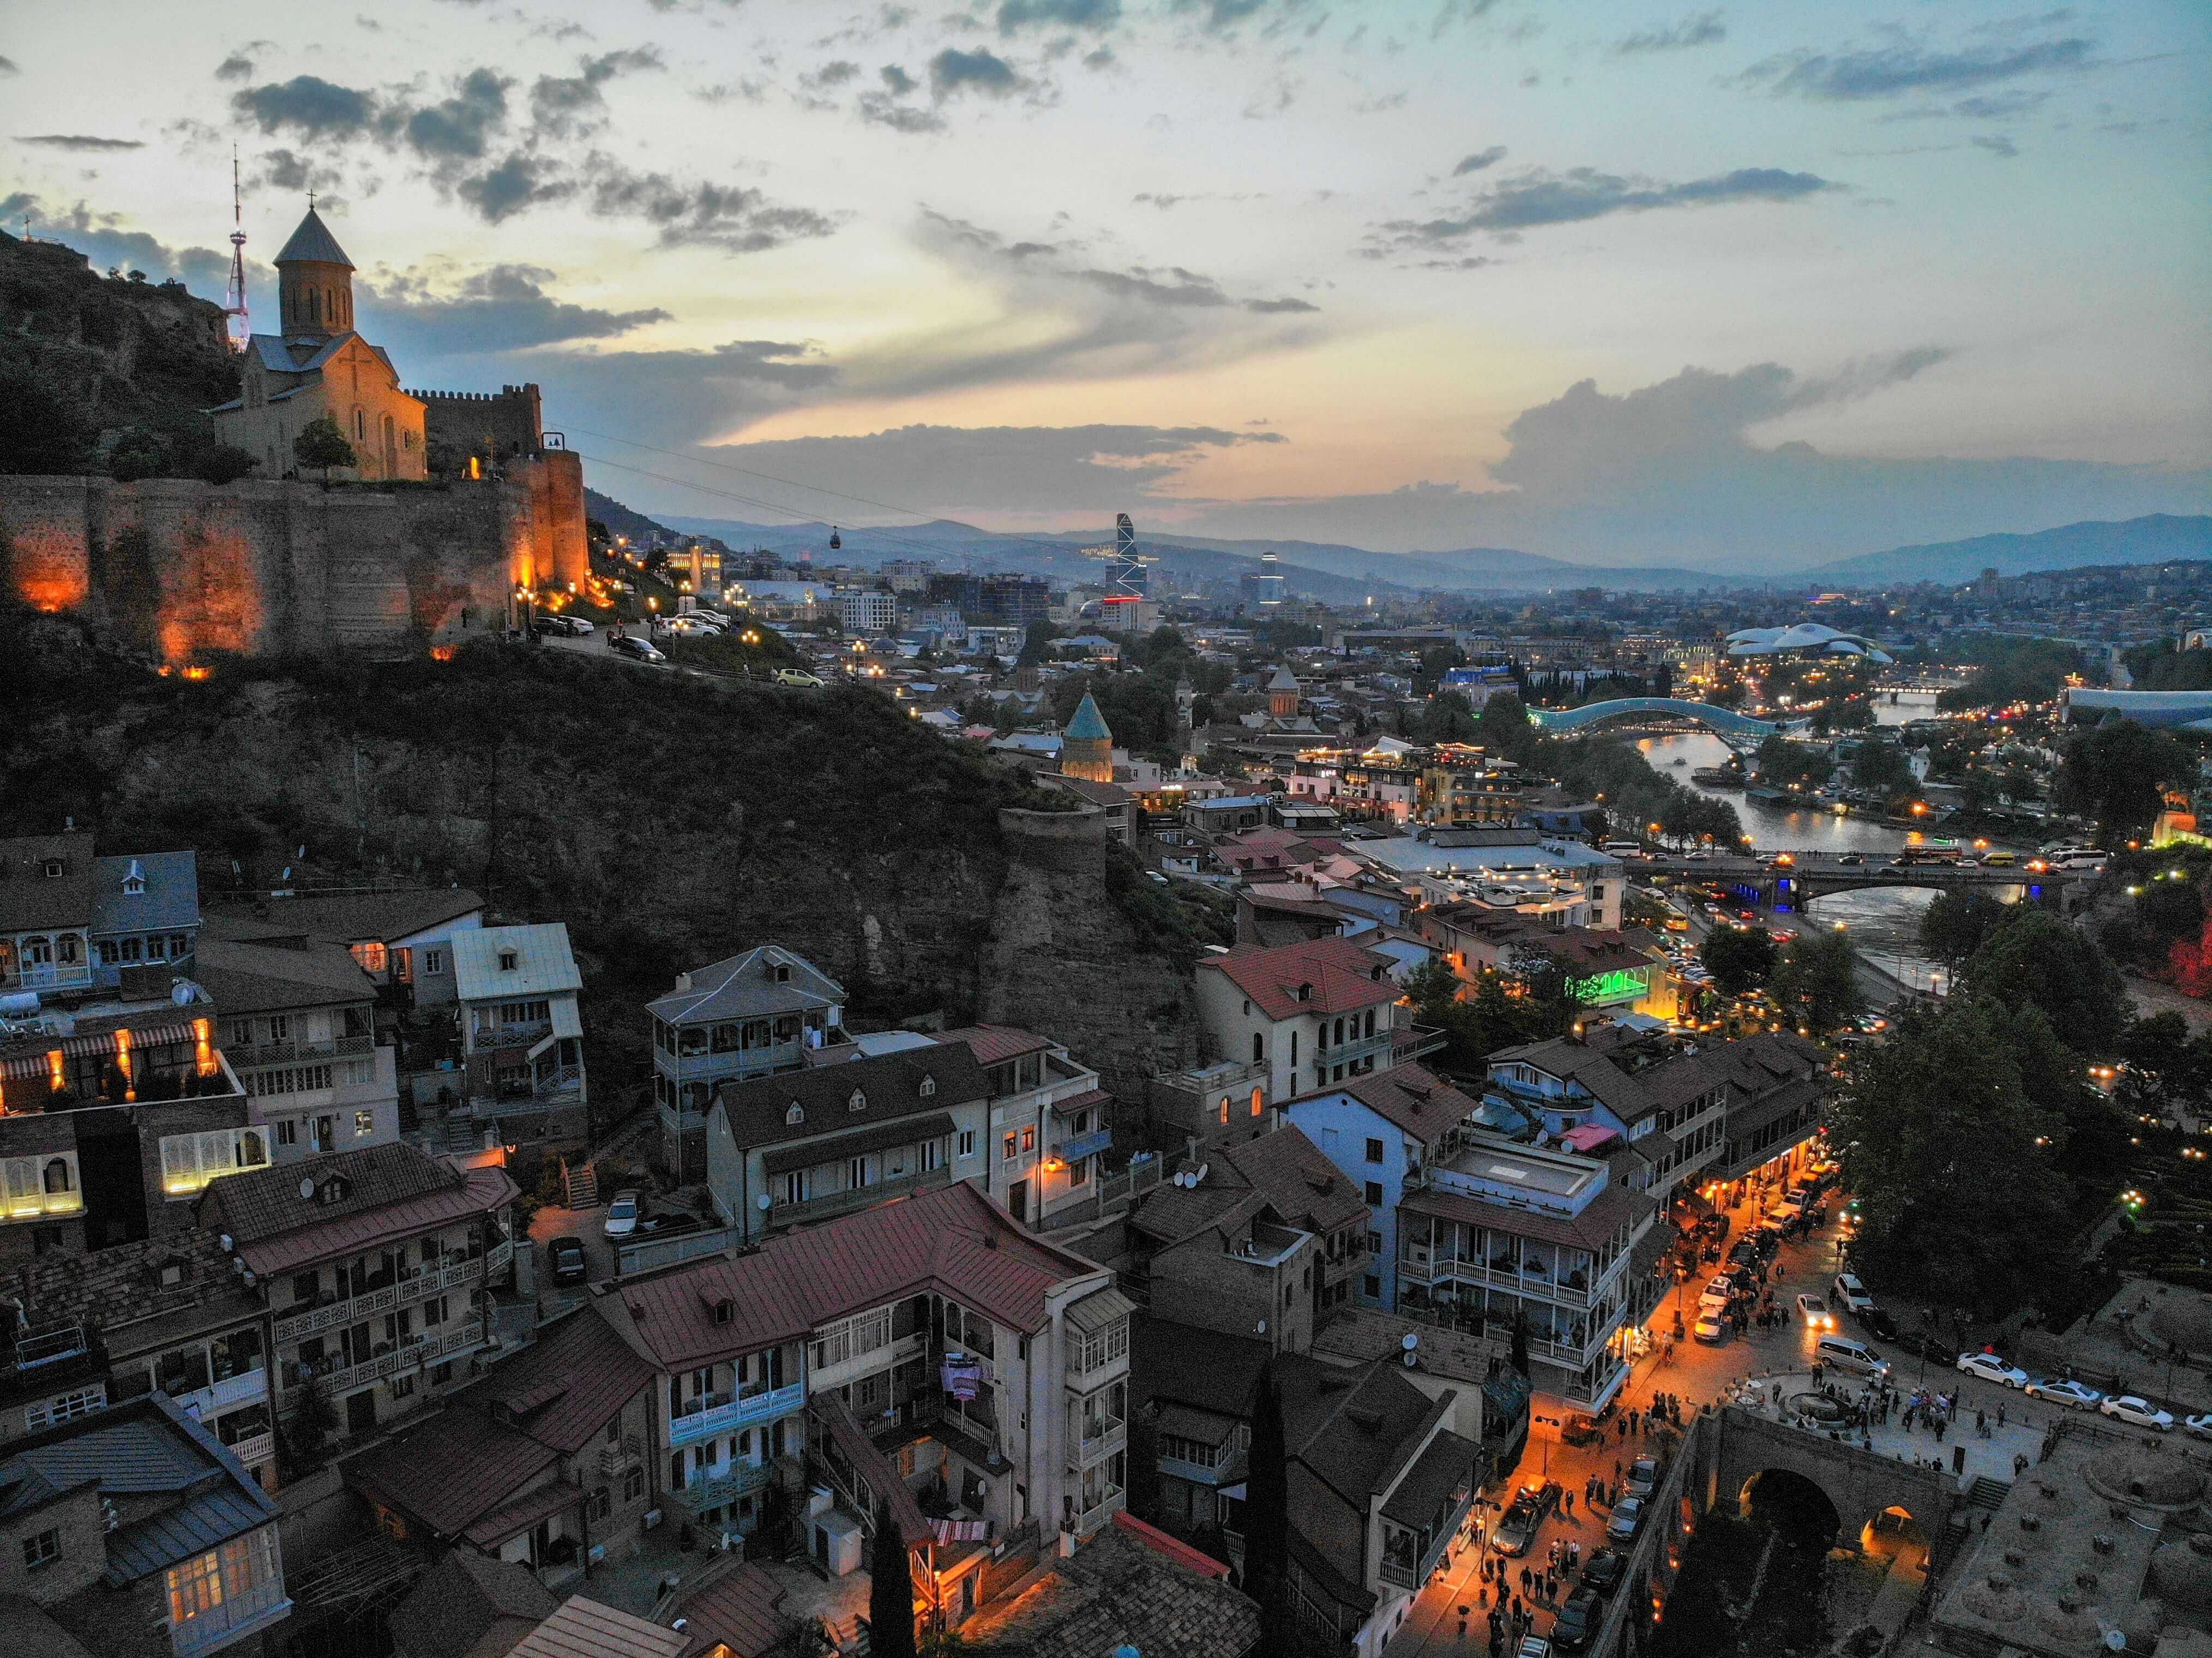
[
  {"x": 620, "y": 520},
  {"x": 2150, "y": 540}
]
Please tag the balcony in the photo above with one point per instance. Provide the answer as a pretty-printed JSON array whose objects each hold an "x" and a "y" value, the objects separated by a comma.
[
  {"x": 702, "y": 1491},
  {"x": 843, "y": 1203},
  {"x": 627, "y": 1453},
  {"x": 1415, "y": 1042},
  {"x": 485, "y": 1038},
  {"x": 50, "y": 1346},
  {"x": 1087, "y": 1445},
  {"x": 1353, "y": 1049},
  {"x": 254, "y": 1449},
  {"x": 1079, "y": 1146},
  {"x": 231, "y": 1618},
  {"x": 283, "y": 1052},
  {"x": 45, "y": 976},
  {"x": 1100, "y": 1513},
  {"x": 1350, "y": 1263},
  {"x": 413, "y": 1351},
  {"x": 713, "y": 1414},
  {"x": 426, "y": 1282},
  {"x": 205, "y": 1404},
  {"x": 1420, "y": 1264},
  {"x": 563, "y": 1085},
  {"x": 1227, "y": 1472}
]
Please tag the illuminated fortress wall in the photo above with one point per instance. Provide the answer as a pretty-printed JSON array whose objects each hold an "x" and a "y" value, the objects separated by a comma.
[{"x": 186, "y": 569}]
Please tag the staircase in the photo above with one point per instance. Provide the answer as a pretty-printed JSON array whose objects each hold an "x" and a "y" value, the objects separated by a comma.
[
  {"x": 1987, "y": 1493},
  {"x": 582, "y": 1182},
  {"x": 850, "y": 1633}
]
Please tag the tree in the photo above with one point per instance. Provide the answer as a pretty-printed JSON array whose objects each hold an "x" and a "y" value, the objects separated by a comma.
[
  {"x": 1267, "y": 1515},
  {"x": 1953, "y": 1167},
  {"x": 1518, "y": 1355},
  {"x": 891, "y": 1590},
  {"x": 1816, "y": 987},
  {"x": 2038, "y": 959},
  {"x": 321, "y": 444},
  {"x": 1036, "y": 644},
  {"x": 42, "y": 430},
  {"x": 138, "y": 454},
  {"x": 1739, "y": 958},
  {"x": 223, "y": 463},
  {"x": 1954, "y": 926},
  {"x": 1880, "y": 764},
  {"x": 1141, "y": 1488},
  {"x": 2116, "y": 772}
]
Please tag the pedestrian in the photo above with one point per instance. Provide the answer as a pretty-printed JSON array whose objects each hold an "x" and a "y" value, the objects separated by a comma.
[
  {"x": 1527, "y": 1578},
  {"x": 1616, "y": 1467},
  {"x": 1568, "y": 1497},
  {"x": 1551, "y": 1588},
  {"x": 1981, "y": 1424},
  {"x": 2000, "y": 1413},
  {"x": 1939, "y": 1429}
]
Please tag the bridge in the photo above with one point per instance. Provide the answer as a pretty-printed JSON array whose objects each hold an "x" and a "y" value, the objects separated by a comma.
[
  {"x": 1736, "y": 730},
  {"x": 1811, "y": 875},
  {"x": 1862, "y": 1485},
  {"x": 2163, "y": 710}
]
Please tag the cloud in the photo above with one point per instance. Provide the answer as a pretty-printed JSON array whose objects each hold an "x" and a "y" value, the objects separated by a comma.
[
  {"x": 294, "y": 174},
  {"x": 877, "y": 109},
  {"x": 1997, "y": 144},
  {"x": 517, "y": 183},
  {"x": 1277, "y": 308},
  {"x": 308, "y": 105},
  {"x": 834, "y": 74},
  {"x": 1704, "y": 29},
  {"x": 1017, "y": 15},
  {"x": 671, "y": 397},
  {"x": 897, "y": 80},
  {"x": 102, "y": 238},
  {"x": 1480, "y": 160},
  {"x": 80, "y": 141},
  {"x": 504, "y": 308},
  {"x": 1540, "y": 198},
  {"x": 1895, "y": 70},
  {"x": 457, "y": 129},
  {"x": 234, "y": 67},
  {"x": 954, "y": 71},
  {"x": 699, "y": 214},
  {"x": 570, "y": 105},
  {"x": 8, "y": 66},
  {"x": 958, "y": 471},
  {"x": 1220, "y": 17}
]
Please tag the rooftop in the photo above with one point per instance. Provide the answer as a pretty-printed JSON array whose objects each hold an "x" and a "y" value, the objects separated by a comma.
[
  {"x": 1318, "y": 977},
  {"x": 1120, "y": 1590},
  {"x": 312, "y": 243},
  {"x": 252, "y": 967},
  {"x": 361, "y": 917},
  {"x": 748, "y": 986},
  {"x": 1407, "y": 1096},
  {"x": 343, "y": 1202},
  {"x": 861, "y": 1093},
  {"x": 543, "y": 964}
]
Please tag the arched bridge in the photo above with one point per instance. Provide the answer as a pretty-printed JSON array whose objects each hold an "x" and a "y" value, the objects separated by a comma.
[
  {"x": 1811, "y": 875},
  {"x": 1861, "y": 1485},
  {"x": 1726, "y": 724}
]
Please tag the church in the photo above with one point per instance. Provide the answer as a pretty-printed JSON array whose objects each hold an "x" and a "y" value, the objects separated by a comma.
[{"x": 318, "y": 365}]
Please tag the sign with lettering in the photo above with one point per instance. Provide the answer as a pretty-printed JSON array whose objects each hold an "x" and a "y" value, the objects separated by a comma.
[{"x": 1620, "y": 984}]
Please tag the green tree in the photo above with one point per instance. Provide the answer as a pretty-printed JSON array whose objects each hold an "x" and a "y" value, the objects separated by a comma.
[
  {"x": 1267, "y": 1516},
  {"x": 2115, "y": 772},
  {"x": 43, "y": 429},
  {"x": 1954, "y": 926},
  {"x": 136, "y": 454},
  {"x": 1141, "y": 1488},
  {"x": 2037, "y": 959},
  {"x": 1503, "y": 727},
  {"x": 1953, "y": 1167},
  {"x": 1877, "y": 763},
  {"x": 891, "y": 1590},
  {"x": 322, "y": 445},
  {"x": 1816, "y": 987},
  {"x": 1739, "y": 958},
  {"x": 223, "y": 463}
]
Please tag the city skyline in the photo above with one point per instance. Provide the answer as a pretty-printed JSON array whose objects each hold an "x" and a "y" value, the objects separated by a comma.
[{"x": 1648, "y": 285}]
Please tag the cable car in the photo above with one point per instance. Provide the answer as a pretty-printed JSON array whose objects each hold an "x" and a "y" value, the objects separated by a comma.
[{"x": 835, "y": 540}]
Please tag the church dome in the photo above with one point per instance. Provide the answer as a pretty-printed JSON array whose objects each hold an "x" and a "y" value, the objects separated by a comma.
[
  {"x": 313, "y": 243},
  {"x": 2181, "y": 1571},
  {"x": 2146, "y": 1478}
]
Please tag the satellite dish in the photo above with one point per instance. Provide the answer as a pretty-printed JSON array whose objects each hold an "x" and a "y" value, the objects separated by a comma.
[
  {"x": 764, "y": 1203},
  {"x": 1409, "y": 1341},
  {"x": 2116, "y": 1640},
  {"x": 307, "y": 1186}
]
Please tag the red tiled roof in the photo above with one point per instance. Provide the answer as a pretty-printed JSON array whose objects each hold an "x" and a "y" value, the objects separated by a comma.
[
  {"x": 991, "y": 1043},
  {"x": 483, "y": 1190},
  {"x": 449, "y": 1472},
  {"x": 1338, "y": 975},
  {"x": 955, "y": 1240},
  {"x": 1084, "y": 1101}
]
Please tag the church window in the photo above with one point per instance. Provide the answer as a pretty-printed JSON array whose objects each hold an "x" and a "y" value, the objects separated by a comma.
[{"x": 360, "y": 424}]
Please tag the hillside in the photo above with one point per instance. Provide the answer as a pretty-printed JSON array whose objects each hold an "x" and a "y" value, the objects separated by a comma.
[
  {"x": 620, "y": 520},
  {"x": 669, "y": 822},
  {"x": 2150, "y": 540},
  {"x": 83, "y": 356}
]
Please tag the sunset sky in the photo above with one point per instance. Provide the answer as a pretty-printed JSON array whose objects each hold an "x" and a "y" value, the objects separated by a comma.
[{"x": 1620, "y": 283}]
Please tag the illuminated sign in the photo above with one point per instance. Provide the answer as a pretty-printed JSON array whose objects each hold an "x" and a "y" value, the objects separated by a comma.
[{"x": 1621, "y": 984}]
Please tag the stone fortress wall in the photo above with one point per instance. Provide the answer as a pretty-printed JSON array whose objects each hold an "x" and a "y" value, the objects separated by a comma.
[{"x": 186, "y": 569}]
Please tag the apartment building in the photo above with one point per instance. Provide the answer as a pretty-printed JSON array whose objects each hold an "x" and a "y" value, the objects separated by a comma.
[
  {"x": 132, "y": 1520},
  {"x": 73, "y": 923},
  {"x": 373, "y": 1272},
  {"x": 769, "y": 1009},
  {"x": 1311, "y": 1013},
  {"x": 928, "y": 1352},
  {"x": 1774, "y": 1087},
  {"x": 515, "y": 990},
  {"x": 114, "y": 1114},
  {"x": 546, "y": 1463},
  {"x": 96, "y": 1331},
  {"x": 866, "y": 610},
  {"x": 297, "y": 1017},
  {"x": 1497, "y": 1234},
  {"x": 814, "y": 1143},
  {"x": 401, "y": 937},
  {"x": 1524, "y": 870},
  {"x": 1049, "y": 1127},
  {"x": 1605, "y": 970},
  {"x": 1380, "y": 1131}
]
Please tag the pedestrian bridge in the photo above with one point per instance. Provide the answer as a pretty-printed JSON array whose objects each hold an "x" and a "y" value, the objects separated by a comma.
[
  {"x": 1726, "y": 724},
  {"x": 1861, "y": 1485}
]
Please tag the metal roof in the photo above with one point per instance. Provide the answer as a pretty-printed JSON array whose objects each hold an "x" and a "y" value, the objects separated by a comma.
[
  {"x": 543, "y": 965},
  {"x": 876, "y": 1137},
  {"x": 357, "y": 917},
  {"x": 1099, "y": 1309},
  {"x": 252, "y": 968},
  {"x": 1088, "y": 725},
  {"x": 1338, "y": 976},
  {"x": 313, "y": 243},
  {"x": 744, "y": 986},
  {"x": 29, "y": 898},
  {"x": 889, "y": 1087},
  {"x": 585, "y": 1629},
  {"x": 171, "y": 898}
]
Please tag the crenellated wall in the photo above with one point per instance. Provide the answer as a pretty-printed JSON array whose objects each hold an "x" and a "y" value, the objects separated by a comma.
[{"x": 186, "y": 569}]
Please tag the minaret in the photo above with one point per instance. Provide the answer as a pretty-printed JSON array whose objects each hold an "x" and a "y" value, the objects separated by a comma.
[{"x": 314, "y": 282}]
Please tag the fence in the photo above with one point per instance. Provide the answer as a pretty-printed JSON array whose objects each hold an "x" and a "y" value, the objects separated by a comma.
[{"x": 645, "y": 1253}]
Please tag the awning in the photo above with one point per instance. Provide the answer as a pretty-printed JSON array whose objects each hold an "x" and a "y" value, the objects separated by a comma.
[
  {"x": 900, "y": 1131},
  {"x": 1178, "y": 1421},
  {"x": 1083, "y": 1102},
  {"x": 1099, "y": 1309},
  {"x": 1693, "y": 1201},
  {"x": 523, "y": 1513}
]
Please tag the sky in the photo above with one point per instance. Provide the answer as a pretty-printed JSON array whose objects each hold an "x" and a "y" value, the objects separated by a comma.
[{"x": 1740, "y": 286}]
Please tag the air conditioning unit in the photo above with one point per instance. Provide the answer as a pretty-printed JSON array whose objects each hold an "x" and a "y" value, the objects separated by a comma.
[
  {"x": 599, "y": 1551},
  {"x": 651, "y": 1518}
]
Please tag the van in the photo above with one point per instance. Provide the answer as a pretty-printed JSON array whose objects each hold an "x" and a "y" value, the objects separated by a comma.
[
  {"x": 1999, "y": 859},
  {"x": 1848, "y": 1355}
]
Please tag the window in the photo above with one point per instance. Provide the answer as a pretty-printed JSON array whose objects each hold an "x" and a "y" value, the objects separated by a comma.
[
  {"x": 372, "y": 956},
  {"x": 1371, "y": 1287},
  {"x": 859, "y": 1101},
  {"x": 403, "y": 1387},
  {"x": 69, "y": 949},
  {"x": 794, "y": 1113},
  {"x": 42, "y": 1549},
  {"x": 1256, "y": 1054},
  {"x": 603, "y": 1503},
  {"x": 433, "y": 961},
  {"x": 1374, "y": 1150},
  {"x": 364, "y": 1124},
  {"x": 288, "y": 1131},
  {"x": 1374, "y": 1195},
  {"x": 289, "y": 1079},
  {"x": 1013, "y": 1148},
  {"x": 506, "y": 961},
  {"x": 933, "y": 1155},
  {"x": 794, "y": 1185},
  {"x": 967, "y": 1142},
  {"x": 1078, "y": 1173},
  {"x": 1256, "y": 1098},
  {"x": 189, "y": 1162},
  {"x": 66, "y": 1408},
  {"x": 1294, "y": 1048},
  {"x": 858, "y": 1173},
  {"x": 1223, "y": 1112},
  {"x": 1029, "y": 1139},
  {"x": 928, "y": 1086},
  {"x": 852, "y": 1337},
  {"x": 632, "y": 1484}
]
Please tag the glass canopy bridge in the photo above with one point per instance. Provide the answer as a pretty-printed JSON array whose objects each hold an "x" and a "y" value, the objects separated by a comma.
[{"x": 1738, "y": 731}]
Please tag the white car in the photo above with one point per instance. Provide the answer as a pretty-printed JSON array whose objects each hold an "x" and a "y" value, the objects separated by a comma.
[
  {"x": 1711, "y": 1329},
  {"x": 1717, "y": 1295},
  {"x": 2071, "y": 1394},
  {"x": 2139, "y": 1412},
  {"x": 1991, "y": 1368},
  {"x": 622, "y": 1215},
  {"x": 1852, "y": 1293},
  {"x": 1817, "y": 1315},
  {"x": 2199, "y": 1425}
]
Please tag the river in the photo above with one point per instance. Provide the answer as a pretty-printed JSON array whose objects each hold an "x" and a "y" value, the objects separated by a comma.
[{"x": 1887, "y": 924}]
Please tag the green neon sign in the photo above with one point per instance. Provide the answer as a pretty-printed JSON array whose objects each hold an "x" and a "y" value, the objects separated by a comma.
[{"x": 1621, "y": 984}]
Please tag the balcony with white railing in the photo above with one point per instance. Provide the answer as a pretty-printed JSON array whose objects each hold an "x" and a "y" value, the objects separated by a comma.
[
  {"x": 858, "y": 1197},
  {"x": 205, "y": 1404},
  {"x": 244, "y": 1056},
  {"x": 1088, "y": 1441},
  {"x": 707, "y": 1491},
  {"x": 627, "y": 1452},
  {"x": 254, "y": 1449},
  {"x": 387, "y": 1360},
  {"x": 713, "y": 1413},
  {"x": 1100, "y": 1513},
  {"x": 383, "y": 1298},
  {"x": 485, "y": 1038},
  {"x": 45, "y": 975}
]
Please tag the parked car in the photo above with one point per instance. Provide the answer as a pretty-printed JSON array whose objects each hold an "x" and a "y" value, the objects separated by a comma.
[
  {"x": 2066, "y": 1392},
  {"x": 2199, "y": 1425},
  {"x": 622, "y": 1216},
  {"x": 1643, "y": 1477},
  {"x": 798, "y": 677},
  {"x": 1717, "y": 1295},
  {"x": 1532, "y": 1646},
  {"x": 1516, "y": 1530},
  {"x": 1816, "y": 1313},
  {"x": 580, "y": 624},
  {"x": 551, "y": 626},
  {"x": 1576, "y": 1625},
  {"x": 1880, "y": 1326},
  {"x": 637, "y": 649},
  {"x": 1852, "y": 1293},
  {"x": 570, "y": 1264},
  {"x": 1541, "y": 1495},
  {"x": 2138, "y": 1412},
  {"x": 1991, "y": 1368},
  {"x": 1602, "y": 1571},
  {"x": 1627, "y": 1519},
  {"x": 1712, "y": 1328}
]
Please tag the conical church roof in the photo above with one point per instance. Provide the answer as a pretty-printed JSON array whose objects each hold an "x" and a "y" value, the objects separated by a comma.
[
  {"x": 1284, "y": 680},
  {"x": 313, "y": 243},
  {"x": 1089, "y": 725}
]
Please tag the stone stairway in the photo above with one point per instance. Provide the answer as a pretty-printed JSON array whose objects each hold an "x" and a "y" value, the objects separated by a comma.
[
  {"x": 1987, "y": 1493},
  {"x": 583, "y": 1184}
]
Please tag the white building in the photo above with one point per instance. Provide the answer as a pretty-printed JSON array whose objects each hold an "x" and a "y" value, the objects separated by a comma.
[
  {"x": 522, "y": 1038},
  {"x": 866, "y": 610}
]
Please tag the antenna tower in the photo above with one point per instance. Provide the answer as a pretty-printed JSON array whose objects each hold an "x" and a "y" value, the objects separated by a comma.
[{"x": 241, "y": 331}]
